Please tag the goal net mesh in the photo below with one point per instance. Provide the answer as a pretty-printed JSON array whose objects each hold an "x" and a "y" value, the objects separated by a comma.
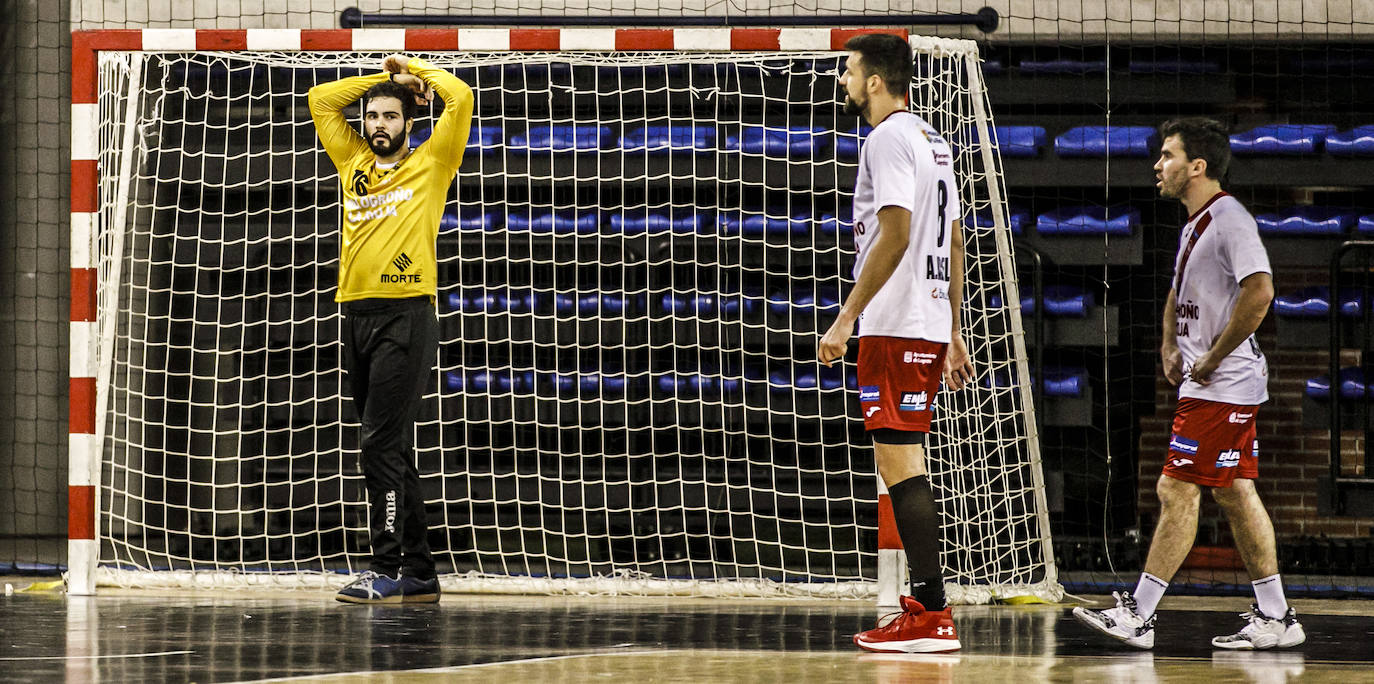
[{"x": 635, "y": 264}]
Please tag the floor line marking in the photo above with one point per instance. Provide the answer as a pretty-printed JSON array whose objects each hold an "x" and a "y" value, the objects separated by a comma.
[
  {"x": 455, "y": 668},
  {"x": 101, "y": 657}
]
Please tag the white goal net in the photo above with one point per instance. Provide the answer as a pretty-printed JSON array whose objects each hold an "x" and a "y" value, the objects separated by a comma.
[{"x": 637, "y": 259}]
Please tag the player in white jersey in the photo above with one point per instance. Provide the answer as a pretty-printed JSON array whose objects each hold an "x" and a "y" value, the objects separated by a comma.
[
  {"x": 906, "y": 297},
  {"x": 1221, "y": 292}
]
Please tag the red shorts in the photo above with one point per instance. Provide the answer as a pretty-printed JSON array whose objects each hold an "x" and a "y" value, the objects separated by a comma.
[
  {"x": 898, "y": 379},
  {"x": 1213, "y": 443}
]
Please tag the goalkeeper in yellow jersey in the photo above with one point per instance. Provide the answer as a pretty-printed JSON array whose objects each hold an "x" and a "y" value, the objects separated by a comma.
[{"x": 393, "y": 198}]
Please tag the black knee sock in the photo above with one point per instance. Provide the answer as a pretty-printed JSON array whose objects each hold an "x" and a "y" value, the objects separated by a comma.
[{"x": 918, "y": 524}]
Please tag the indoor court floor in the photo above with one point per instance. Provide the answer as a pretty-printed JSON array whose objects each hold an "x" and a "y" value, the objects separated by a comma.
[{"x": 236, "y": 636}]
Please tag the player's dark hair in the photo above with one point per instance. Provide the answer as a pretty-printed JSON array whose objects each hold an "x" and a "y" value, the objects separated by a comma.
[
  {"x": 396, "y": 90},
  {"x": 887, "y": 56},
  {"x": 1204, "y": 139}
]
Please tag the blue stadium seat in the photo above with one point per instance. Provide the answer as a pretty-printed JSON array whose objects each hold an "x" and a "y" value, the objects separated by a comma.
[
  {"x": 665, "y": 139},
  {"x": 1281, "y": 139},
  {"x": 559, "y": 223},
  {"x": 1019, "y": 219},
  {"x": 1306, "y": 220},
  {"x": 1102, "y": 141},
  {"x": 1315, "y": 302},
  {"x": 774, "y": 223},
  {"x": 697, "y": 384},
  {"x": 1173, "y": 66},
  {"x": 806, "y": 377},
  {"x": 483, "y": 139},
  {"x": 606, "y": 383},
  {"x": 500, "y": 381},
  {"x": 804, "y": 301},
  {"x": 488, "y": 221},
  {"x": 1352, "y": 381},
  {"x": 454, "y": 381},
  {"x": 830, "y": 225},
  {"x": 1021, "y": 141},
  {"x": 484, "y": 302},
  {"x": 1059, "y": 382},
  {"x": 825, "y": 301},
  {"x": 1118, "y": 220},
  {"x": 1065, "y": 301},
  {"x": 1356, "y": 142},
  {"x": 639, "y": 221},
  {"x": 1365, "y": 224},
  {"x": 607, "y": 304},
  {"x": 587, "y": 303},
  {"x": 1065, "y": 382},
  {"x": 797, "y": 142},
  {"x": 563, "y": 138},
  {"x": 847, "y": 142},
  {"x": 480, "y": 138},
  {"x": 684, "y": 385},
  {"x": 1063, "y": 66},
  {"x": 560, "y": 383},
  {"x": 476, "y": 300},
  {"x": 702, "y": 304}
]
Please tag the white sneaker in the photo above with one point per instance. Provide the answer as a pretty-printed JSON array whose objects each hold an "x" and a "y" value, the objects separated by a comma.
[
  {"x": 1120, "y": 623},
  {"x": 1264, "y": 632}
]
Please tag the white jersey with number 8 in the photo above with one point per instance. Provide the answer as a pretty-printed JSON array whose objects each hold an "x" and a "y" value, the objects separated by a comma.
[{"x": 906, "y": 163}]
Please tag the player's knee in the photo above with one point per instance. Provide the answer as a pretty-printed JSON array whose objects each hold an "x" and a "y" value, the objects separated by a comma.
[
  {"x": 1234, "y": 496},
  {"x": 1177, "y": 494}
]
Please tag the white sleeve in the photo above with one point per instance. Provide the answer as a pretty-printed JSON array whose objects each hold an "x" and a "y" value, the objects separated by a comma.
[
  {"x": 1244, "y": 249},
  {"x": 892, "y": 168}
]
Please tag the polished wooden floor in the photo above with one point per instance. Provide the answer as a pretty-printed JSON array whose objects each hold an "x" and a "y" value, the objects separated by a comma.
[{"x": 297, "y": 636}]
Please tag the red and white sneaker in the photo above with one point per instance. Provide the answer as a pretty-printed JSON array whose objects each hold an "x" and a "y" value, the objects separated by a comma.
[{"x": 914, "y": 630}]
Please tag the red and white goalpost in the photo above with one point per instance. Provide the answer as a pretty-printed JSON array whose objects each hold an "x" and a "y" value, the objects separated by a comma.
[{"x": 622, "y": 403}]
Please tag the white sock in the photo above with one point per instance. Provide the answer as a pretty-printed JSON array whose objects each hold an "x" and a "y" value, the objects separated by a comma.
[
  {"x": 1269, "y": 596},
  {"x": 1148, "y": 591}
]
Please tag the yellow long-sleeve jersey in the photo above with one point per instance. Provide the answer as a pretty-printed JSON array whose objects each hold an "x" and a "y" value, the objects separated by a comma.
[{"x": 391, "y": 216}]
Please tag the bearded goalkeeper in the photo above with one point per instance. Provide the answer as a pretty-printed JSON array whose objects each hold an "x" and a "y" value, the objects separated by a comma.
[{"x": 393, "y": 198}]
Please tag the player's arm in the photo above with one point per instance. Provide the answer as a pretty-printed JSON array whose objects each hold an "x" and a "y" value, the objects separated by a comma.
[
  {"x": 894, "y": 228},
  {"x": 450, "y": 136},
  {"x": 327, "y": 101},
  {"x": 958, "y": 368},
  {"x": 1252, "y": 304},
  {"x": 1168, "y": 347}
]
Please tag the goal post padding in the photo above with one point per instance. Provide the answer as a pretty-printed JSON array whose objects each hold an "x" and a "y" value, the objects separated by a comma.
[{"x": 648, "y": 233}]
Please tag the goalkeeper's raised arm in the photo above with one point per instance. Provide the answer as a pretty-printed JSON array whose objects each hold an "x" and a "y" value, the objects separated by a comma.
[{"x": 450, "y": 136}]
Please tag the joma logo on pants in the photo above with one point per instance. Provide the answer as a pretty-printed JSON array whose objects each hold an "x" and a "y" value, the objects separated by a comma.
[{"x": 391, "y": 511}]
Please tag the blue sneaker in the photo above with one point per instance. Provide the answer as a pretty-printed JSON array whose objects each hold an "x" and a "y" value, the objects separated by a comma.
[
  {"x": 371, "y": 587},
  {"x": 416, "y": 590}
]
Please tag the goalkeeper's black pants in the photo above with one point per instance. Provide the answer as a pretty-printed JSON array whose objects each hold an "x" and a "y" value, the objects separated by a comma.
[{"x": 388, "y": 351}]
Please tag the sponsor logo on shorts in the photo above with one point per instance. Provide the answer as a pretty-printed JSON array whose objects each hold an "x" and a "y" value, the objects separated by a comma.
[
  {"x": 872, "y": 410},
  {"x": 912, "y": 401},
  {"x": 1229, "y": 458},
  {"x": 1183, "y": 445},
  {"x": 1239, "y": 418},
  {"x": 923, "y": 358},
  {"x": 1180, "y": 462},
  {"x": 1254, "y": 449},
  {"x": 869, "y": 393}
]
